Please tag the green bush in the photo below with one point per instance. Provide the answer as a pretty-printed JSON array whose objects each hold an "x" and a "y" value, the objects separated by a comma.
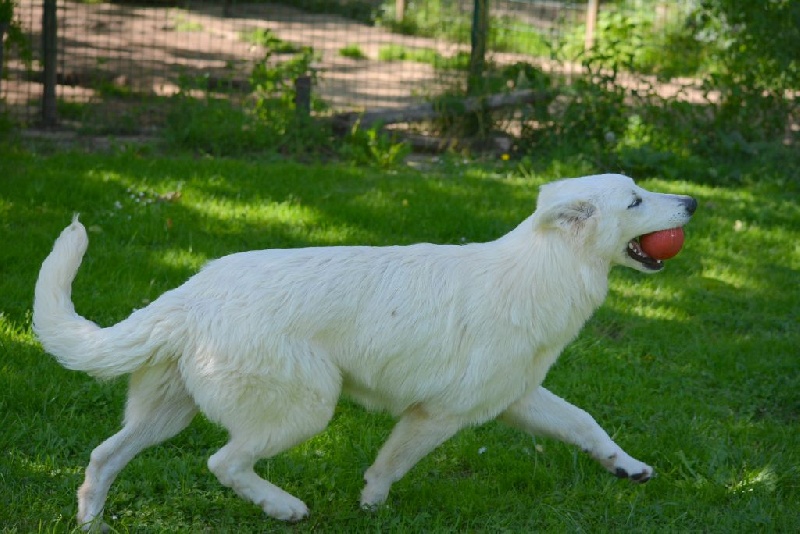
[
  {"x": 627, "y": 37},
  {"x": 755, "y": 63},
  {"x": 353, "y": 51},
  {"x": 371, "y": 146},
  {"x": 216, "y": 127},
  {"x": 267, "y": 39}
]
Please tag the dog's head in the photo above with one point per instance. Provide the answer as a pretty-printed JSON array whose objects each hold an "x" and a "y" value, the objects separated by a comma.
[{"x": 607, "y": 213}]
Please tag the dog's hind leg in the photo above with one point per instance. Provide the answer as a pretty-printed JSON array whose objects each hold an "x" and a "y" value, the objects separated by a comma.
[
  {"x": 233, "y": 463},
  {"x": 415, "y": 435},
  {"x": 233, "y": 466},
  {"x": 541, "y": 413},
  {"x": 158, "y": 408},
  {"x": 265, "y": 414}
]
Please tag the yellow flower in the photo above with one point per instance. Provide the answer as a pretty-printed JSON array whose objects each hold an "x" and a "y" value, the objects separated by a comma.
[{"x": 505, "y": 157}]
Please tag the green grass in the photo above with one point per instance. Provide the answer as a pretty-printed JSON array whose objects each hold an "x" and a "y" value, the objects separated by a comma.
[
  {"x": 693, "y": 370},
  {"x": 268, "y": 39},
  {"x": 183, "y": 24},
  {"x": 459, "y": 61},
  {"x": 353, "y": 51}
]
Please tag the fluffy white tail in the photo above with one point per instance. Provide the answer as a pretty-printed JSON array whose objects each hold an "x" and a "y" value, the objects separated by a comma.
[{"x": 78, "y": 343}]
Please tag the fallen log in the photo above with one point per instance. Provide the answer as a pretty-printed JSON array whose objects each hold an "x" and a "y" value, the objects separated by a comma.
[{"x": 430, "y": 111}]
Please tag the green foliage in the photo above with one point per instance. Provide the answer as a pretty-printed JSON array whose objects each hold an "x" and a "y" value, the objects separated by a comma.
[
  {"x": 393, "y": 52},
  {"x": 442, "y": 19},
  {"x": 629, "y": 37},
  {"x": 12, "y": 36},
  {"x": 275, "y": 106},
  {"x": 358, "y": 10},
  {"x": 267, "y": 39},
  {"x": 353, "y": 51},
  {"x": 217, "y": 127},
  {"x": 266, "y": 121},
  {"x": 7, "y": 126},
  {"x": 507, "y": 35},
  {"x": 755, "y": 63},
  {"x": 183, "y": 24},
  {"x": 454, "y": 120},
  {"x": 371, "y": 146},
  {"x": 6, "y": 11},
  {"x": 745, "y": 53},
  {"x": 272, "y": 82},
  {"x": 748, "y": 77}
]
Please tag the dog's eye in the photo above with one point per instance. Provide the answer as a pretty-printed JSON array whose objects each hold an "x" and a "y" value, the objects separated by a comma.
[{"x": 636, "y": 202}]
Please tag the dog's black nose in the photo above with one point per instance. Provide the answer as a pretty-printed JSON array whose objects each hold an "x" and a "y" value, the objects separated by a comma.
[{"x": 690, "y": 204}]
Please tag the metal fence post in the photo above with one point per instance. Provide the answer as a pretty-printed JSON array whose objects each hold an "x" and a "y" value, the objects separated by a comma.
[
  {"x": 479, "y": 34},
  {"x": 49, "y": 63},
  {"x": 302, "y": 96},
  {"x": 3, "y": 28}
]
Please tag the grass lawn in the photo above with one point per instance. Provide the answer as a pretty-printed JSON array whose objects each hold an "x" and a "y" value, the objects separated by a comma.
[{"x": 693, "y": 370}]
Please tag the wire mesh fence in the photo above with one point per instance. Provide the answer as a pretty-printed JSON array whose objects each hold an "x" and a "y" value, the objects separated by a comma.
[{"x": 118, "y": 63}]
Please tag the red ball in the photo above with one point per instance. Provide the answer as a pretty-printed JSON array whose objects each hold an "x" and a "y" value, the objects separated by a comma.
[{"x": 664, "y": 244}]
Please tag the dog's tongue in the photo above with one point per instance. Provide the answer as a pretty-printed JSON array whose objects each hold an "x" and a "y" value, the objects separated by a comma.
[{"x": 664, "y": 244}]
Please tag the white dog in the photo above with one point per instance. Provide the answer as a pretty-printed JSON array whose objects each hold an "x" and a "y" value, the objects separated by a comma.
[{"x": 442, "y": 336}]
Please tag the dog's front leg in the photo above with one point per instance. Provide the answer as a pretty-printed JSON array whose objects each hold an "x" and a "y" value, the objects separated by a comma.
[
  {"x": 415, "y": 435},
  {"x": 542, "y": 413}
]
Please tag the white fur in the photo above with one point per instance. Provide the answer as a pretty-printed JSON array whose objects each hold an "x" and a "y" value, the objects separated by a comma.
[{"x": 442, "y": 336}]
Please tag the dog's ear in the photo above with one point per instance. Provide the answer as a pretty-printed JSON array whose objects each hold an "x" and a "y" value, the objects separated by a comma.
[{"x": 573, "y": 215}]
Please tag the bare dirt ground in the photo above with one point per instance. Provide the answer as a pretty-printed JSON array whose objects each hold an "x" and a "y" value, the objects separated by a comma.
[
  {"x": 150, "y": 49},
  {"x": 127, "y": 49}
]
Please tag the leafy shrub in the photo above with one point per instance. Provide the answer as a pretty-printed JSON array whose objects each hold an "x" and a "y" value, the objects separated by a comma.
[
  {"x": 266, "y": 121},
  {"x": 451, "y": 21},
  {"x": 267, "y": 39},
  {"x": 12, "y": 35},
  {"x": 372, "y": 147},
  {"x": 628, "y": 37},
  {"x": 217, "y": 127},
  {"x": 272, "y": 82},
  {"x": 746, "y": 57},
  {"x": 363, "y": 11},
  {"x": 755, "y": 63},
  {"x": 269, "y": 121},
  {"x": 353, "y": 51}
]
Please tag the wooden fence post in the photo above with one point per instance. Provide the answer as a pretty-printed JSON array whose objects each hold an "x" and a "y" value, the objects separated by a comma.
[{"x": 592, "y": 7}]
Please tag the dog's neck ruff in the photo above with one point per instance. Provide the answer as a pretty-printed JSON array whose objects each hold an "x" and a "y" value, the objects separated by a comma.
[{"x": 550, "y": 272}]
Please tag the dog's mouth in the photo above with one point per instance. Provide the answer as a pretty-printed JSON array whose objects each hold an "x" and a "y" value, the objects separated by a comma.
[{"x": 634, "y": 250}]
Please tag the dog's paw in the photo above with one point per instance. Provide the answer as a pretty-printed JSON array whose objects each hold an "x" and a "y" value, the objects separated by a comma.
[
  {"x": 287, "y": 508},
  {"x": 621, "y": 465},
  {"x": 372, "y": 507},
  {"x": 641, "y": 477},
  {"x": 95, "y": 525},
  {"x": 373, "y": 496}
]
